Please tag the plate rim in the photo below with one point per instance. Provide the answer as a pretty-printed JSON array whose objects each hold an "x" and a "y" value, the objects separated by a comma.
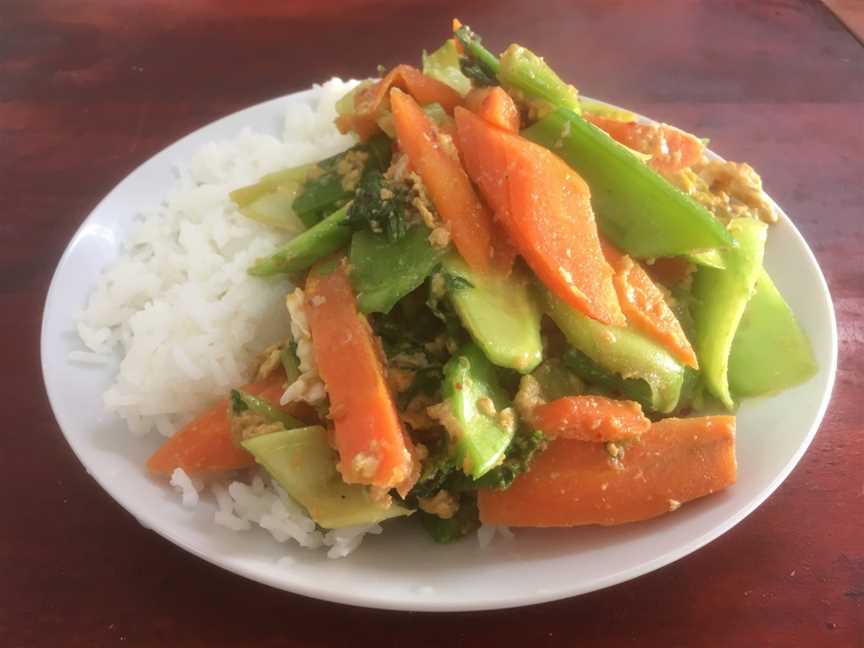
[{"x": 368, "y": 599}]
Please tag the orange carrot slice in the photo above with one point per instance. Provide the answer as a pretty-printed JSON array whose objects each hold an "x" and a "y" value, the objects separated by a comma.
[
  {"x": 205, "y": 445},
  {"x": 373, "y": 448},
  {"x": 591, "y": 418},
  {"x": 434, "y": 157},
  {"x": 671, "y": 148},
  {"x": 495, "y": 106},
  {"x": 645, "y": 307},
  {"x": 546, "y": 209},
  {"x": 369, "y": 102},
  {"x": 573, "y": 483}
]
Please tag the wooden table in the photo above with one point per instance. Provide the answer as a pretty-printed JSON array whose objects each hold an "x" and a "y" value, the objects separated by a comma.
[{"x": 88, "y": 90}]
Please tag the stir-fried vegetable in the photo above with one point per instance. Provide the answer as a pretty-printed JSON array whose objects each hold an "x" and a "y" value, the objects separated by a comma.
[
  {"x": 206, "y": 445},
  {"x": 383, "y": 272},
  {"x": 304, "y": 464},
  {"x": 494, "y": 106},
  {"x": 475, "y": 412},
  {"x": 443, "y": 65},
  {"x": 719, "y": 300},
  {"x": 770, "y": 352},
  {"x": 516, "y": 349},
  {"x": 638, "y": 210},
  {"x": 591, "y": 418},
  {"x": 546, "y": 210},
  {"x": 646, "y": 308},
  {"x": 574, "y": 482},
  {"x": 434, "y": 157},
  {"x": 301, "y": 252},
  {"x": 500, "y": 313},
  {"x": 621, "y": 350},
  {"x": 373, "y": 448}
]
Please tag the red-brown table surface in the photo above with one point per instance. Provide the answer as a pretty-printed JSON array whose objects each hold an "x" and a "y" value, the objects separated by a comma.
[{"x": 88, "y": 90}]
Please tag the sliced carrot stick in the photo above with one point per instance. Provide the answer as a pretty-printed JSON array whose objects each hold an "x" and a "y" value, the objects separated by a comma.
[
  {"x": 591, "y": 418},
  {"x": 646, "y": 308},
  {"x": 671, "y": 148},
  {"x": 574, "y": 483},
  {"x": 373, "y": 448},
  {"x": 495, "y": 106},
  {"x": 546, "y": 209},
  {"x": 205, "y": 445},
  {"x": 436, "y": 160},
  {"x": 370, "y": 101}
]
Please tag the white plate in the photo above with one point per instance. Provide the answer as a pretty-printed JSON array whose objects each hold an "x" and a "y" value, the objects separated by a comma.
[{"x": 402, "y": 569}]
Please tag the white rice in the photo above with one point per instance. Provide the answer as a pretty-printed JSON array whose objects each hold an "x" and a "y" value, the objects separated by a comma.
[
  {"x": 262, "y": 503},
  {"x": 187, "y": 320},
  {"x": 188, "y": 487},
  {"x": 487, "y": 533}
]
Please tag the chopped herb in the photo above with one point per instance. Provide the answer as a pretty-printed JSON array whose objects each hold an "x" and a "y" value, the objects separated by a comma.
[
  {"x": 381, "y": 206},
  {"x": 237, "y": 403},
  {"x": 463, "y": 522},
  {"x": 524, "y": 447}
]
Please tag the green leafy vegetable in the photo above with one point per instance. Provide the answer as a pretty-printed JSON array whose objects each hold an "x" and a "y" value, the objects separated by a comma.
[
  {"x": 332, "y": 182},
  {"x": 517, "y": 460},
  {"x": 463, "y": 522},
  {"x": 381, "y": 207},
  {"x": 383, "y": 270},
  {"x": 438, "y": 468}
]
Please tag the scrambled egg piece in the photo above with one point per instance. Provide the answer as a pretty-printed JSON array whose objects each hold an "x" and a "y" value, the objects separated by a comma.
[{"x": 727, "y": 189}]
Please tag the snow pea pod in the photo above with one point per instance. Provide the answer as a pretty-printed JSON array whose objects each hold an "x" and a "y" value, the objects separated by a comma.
[
  {"x": 770, "y": 351},
  {"x": 383, "y": 272},
  {"x": 719, "y": 300},
  {"x": 305, "y": 249},
  {"x": 621, "y": 350},
  {"x": 501, "y": 313}
]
